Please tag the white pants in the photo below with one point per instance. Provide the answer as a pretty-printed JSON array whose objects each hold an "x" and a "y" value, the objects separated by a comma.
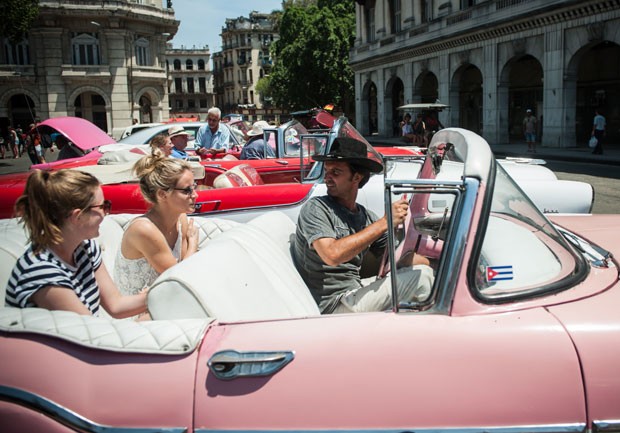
[{"x": 413, "y": 284}]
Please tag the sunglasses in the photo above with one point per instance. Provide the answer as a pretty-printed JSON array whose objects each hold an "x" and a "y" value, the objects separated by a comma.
[
  {"x": 189, "y": 190},
  {"x": 106, "y": 207}
]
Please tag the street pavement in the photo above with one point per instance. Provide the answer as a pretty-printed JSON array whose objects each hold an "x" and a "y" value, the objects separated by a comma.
[
  {"x": 611, "y": 153},
  {"x": 10, "y": 165}
]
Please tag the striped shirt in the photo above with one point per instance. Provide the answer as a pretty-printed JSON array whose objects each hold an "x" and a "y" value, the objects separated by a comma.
[{"x": 44, "y": 269}]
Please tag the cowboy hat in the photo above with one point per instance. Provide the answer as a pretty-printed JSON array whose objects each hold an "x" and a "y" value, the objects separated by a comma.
[
  {"x": 352, "y": 151},
  {"x": 173, "y": 131},
  {"x": 257, "y": 128}
]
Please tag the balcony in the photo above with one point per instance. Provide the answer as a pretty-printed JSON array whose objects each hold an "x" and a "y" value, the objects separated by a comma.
[
  {"x": 21, "y": 71},
  {"x": 88, "y": 73},
  {"x": 149, "y": 72}
]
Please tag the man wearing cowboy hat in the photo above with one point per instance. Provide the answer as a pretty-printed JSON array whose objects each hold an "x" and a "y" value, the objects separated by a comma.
[
  {"x": 178, "y": 136},
  {"x": 256, "y": 148},
  {"x": 334, "y": 233}
]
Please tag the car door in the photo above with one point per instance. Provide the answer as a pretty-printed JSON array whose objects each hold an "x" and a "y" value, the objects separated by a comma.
[{"x": 388, "y": 371}]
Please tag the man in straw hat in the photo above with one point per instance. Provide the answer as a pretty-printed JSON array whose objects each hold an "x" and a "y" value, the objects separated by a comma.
[
  {"x": 178, "y": 136},
  {"x": 334, "y": 233},
  {"x": 256, "y": 148}
]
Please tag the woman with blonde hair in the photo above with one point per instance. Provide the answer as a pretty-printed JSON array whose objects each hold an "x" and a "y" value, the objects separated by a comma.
[
  {"x": 164, "y": 235},
  {"x": 162, "y": 143},
  {"x": 62, "y": 269}
]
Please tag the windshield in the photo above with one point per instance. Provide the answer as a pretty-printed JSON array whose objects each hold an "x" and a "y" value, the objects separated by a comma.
[
  {"x": 460, "y": 192},
  {"x": 522, "y": 253},
  {"x": 341, "y": 129}
]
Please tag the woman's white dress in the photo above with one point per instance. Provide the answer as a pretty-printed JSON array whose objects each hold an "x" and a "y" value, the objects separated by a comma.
[{"x": 132, "y": 275}]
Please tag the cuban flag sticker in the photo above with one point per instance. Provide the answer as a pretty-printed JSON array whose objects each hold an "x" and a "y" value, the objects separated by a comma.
[{"x": 499, "y": 273}]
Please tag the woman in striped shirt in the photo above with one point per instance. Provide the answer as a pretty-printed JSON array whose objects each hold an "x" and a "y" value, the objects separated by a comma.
[{"x": 62, "y": 268}]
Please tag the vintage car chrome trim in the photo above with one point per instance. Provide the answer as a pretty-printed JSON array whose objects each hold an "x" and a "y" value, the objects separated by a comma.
[
  {"x": 554, "y": 428},
  {"x": 399, "y": 186},
  {"x": 69, "y": 418},
  {"x": 445, "y": 283},
  {"x": 230, "y": 364},
  {"x": 607, "y": 426}
]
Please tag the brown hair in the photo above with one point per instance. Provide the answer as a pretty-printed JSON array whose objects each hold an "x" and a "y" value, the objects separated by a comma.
[
  {"x": 158, "y": 142},
  {"x": 156, "y": 172},
  {"x": 47, "y": 201}
]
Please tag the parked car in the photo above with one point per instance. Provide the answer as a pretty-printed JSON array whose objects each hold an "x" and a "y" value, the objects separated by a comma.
[
  {"x": 135, "y": 128},
  {"x": 283, "y": 182},
  {"x": 145, "y": 136},
  {"x": 518, "y": 334}
]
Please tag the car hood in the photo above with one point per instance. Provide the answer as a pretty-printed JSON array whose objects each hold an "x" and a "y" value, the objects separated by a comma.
[
  {"x": 599, "y": 229},
  {"x": 82, "y": 133}
]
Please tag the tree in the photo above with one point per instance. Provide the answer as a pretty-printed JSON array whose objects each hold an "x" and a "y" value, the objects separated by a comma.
[
  {"x": 17, "y": 18},
  {"x": 312, "y": 55},
  {"x": 263, "y": 88}
]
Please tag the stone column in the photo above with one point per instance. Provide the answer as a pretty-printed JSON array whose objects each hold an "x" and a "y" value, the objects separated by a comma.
[
  {"x": 555, "y": 111},
  {"x": 383, "y": 129},
  {"x": 120, "y": 55},
  {"x": 51, "y": 86},
  {"x": 490, "y": 112}
]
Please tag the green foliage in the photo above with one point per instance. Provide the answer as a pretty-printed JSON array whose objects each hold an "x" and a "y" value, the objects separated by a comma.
[
  {"x": 312, "y": 55},
  {"x": 263, "y": 88},
  {"x": 17, "y": 17}
]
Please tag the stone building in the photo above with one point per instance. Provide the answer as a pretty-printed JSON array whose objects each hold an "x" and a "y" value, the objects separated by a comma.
[
  {"x": 100, "y": 60},
  {"x": 490, "y": 60},
  {"x": 244, "y": 59},
  {"x": 191, "y": 82}
]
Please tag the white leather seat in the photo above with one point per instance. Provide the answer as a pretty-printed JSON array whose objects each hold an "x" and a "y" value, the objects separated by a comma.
[{"x": 246, "y": 273}]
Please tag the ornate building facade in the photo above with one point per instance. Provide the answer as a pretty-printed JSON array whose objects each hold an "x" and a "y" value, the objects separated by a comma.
[
  {"x": 191, "y": 82},
  {"x": 100, "y": 60},
  {"x": 490, "y": 60},
  {"x": 244, "y": 59}
]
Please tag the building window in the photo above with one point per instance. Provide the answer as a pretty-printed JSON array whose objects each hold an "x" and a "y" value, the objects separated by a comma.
[
  {"x": 395, "y": 10},
  {"x": 424, "y": 12},
  {"x": 85, "y": 47},
  {"x": 177, "y": 65},
  {"x": 203, "y": 103},
  {"x": 370, "y": 24},
  {"x": 179, "y": 103},
  {"x": 178, "y": 85},
  {"x": 467, "y": 4},
  {"x": 143, "y": 57},
  {"x": 189, "y": 65},
  {"x": 191, "y": 103},
  {"x": 201, "y": 65},
  {"x": 202, "y": 85},
  {"x": 17, "y": 54},
  {"x": 190, "y": 85}
]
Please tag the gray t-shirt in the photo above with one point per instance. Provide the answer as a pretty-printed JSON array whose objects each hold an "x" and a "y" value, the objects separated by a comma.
[{"x": 323, "y": 217}]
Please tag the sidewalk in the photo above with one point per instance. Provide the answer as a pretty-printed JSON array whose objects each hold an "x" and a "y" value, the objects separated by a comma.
[{"x": 573, "y": 154}]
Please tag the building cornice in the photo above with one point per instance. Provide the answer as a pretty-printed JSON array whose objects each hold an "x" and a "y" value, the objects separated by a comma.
[{"x": 506, "y": 28}]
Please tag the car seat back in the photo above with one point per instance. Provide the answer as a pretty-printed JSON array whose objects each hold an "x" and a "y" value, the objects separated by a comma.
[
  {"x": 239, "y": 175},
  {"x": 246, "y": 273}
]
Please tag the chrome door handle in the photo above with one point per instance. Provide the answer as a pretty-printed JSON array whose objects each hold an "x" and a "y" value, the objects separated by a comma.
[{"x": 230, "y": 364}]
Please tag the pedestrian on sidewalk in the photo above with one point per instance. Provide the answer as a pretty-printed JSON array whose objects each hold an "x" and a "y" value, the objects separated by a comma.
[
  {"x": 529, "y": 130},
  {"x": 598, "y": 131}
]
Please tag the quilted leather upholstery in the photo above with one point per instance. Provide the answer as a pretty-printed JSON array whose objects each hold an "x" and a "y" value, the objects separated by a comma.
[
  {"x": 247, "y": 273},
  {"x": 162, "y": 337}
]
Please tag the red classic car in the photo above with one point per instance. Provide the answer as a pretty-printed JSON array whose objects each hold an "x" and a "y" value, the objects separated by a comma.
[
  {"x": 285, "y": 181},
  {"x": 519, "y": 333}
]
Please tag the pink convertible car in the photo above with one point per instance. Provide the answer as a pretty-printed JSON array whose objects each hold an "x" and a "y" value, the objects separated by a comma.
[{"x": 520, "y": 332}]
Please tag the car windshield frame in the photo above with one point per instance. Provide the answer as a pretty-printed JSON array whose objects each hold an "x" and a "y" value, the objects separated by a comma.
[{"x": 480, "y": 193}]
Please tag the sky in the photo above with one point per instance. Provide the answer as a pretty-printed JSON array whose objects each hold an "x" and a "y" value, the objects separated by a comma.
[{"x": 202, "y": 20}]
